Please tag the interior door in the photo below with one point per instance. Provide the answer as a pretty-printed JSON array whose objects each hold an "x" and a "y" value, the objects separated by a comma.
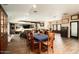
[{"x": 74, "y": 29}]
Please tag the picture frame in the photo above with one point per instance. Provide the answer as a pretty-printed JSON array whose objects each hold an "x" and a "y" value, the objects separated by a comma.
[{"x": 75, "y": 17}]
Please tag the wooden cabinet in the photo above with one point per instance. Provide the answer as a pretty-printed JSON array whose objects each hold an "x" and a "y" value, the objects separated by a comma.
[{"x": 3, "y": 30}]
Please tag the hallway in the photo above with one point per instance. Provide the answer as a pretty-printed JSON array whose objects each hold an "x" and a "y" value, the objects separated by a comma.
[{"x": 61, "y": 46}]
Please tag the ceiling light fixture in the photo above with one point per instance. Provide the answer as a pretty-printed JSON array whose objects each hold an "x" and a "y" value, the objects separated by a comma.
[{"x": 34, "y": 6}]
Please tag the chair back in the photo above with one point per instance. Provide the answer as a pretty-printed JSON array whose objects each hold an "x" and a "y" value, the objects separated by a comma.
[
  {"x": 32, "y": 40},
  {"x": 46, "y": 32},
  {"x": 28, "y": 36},
  {"x": 51, "y": 36},
  {"x": 31, "y": 36}
]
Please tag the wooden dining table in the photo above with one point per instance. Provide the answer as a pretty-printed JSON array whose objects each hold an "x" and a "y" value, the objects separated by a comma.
[{"x": 40, "y": 38}]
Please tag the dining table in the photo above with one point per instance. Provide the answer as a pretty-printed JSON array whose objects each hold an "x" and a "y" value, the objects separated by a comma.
[{"x": 40, "y": 38}]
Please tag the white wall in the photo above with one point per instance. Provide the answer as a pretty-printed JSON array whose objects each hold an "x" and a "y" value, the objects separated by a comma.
[
  {"x": 8, "y": 28},
  {"x": 9, "y": 35}
]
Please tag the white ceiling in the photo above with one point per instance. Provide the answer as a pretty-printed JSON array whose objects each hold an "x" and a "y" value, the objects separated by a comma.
[{"x": 45, "y": 12}]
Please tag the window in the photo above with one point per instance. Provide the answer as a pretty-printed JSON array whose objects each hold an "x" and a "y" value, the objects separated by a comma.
[
  {"x": 59, "y": 27},
  {"x": 54, "y": 27}
]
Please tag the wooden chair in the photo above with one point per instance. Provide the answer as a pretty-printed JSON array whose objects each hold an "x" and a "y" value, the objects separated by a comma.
[
  {"x": 46, "y": 32},
  {"x": 28, "y": 39},
  {"x": 34, "y": 44},
  {"x": 49, "y": 42}
]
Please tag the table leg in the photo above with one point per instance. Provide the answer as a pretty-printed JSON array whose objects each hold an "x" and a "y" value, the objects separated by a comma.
[{"x": 39, "y": 46}]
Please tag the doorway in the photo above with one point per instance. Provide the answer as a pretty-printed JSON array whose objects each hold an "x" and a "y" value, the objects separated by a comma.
[{"x": 74, "y": 29}]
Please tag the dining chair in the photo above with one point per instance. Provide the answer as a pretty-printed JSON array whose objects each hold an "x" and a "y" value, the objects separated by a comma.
[
  {"x": 28, "y": 41},
  {"x": 46, "y": 32},
  {"x": 34, "y": 44},
  {"x": 49, "y": 42},
  {"x": 28, "y": 36}
]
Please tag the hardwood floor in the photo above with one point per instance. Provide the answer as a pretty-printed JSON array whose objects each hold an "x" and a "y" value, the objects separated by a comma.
[
  {"x": 61, "y": 46},
  {"x": 65, "y": 45}
]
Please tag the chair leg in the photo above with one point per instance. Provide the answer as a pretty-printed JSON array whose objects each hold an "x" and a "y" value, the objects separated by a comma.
[
  {"x": 39, "y": 47},
  {"x": 32, "y": 47},
  {"x": 52, "y": 45}
]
